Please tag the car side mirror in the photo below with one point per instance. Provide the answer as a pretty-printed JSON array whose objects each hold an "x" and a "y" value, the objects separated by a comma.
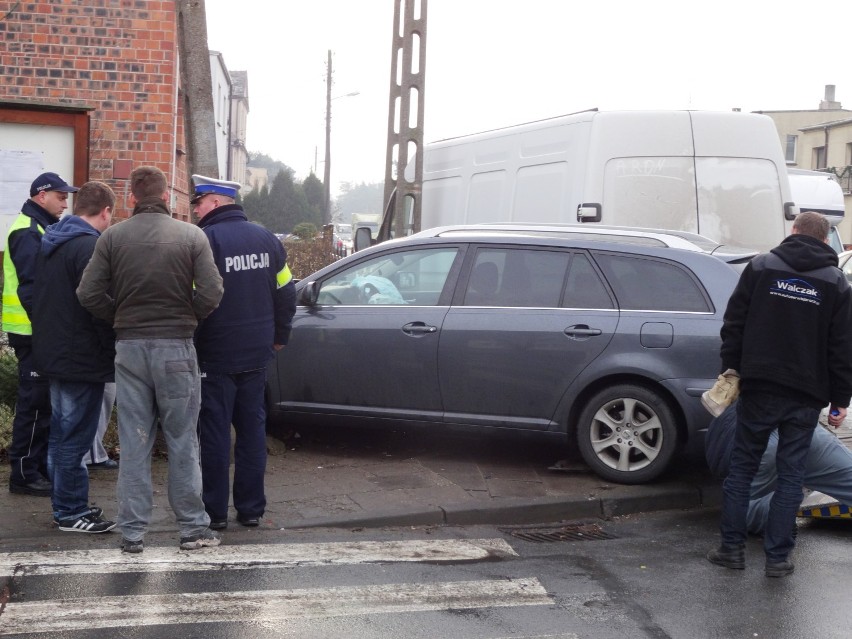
[
  {"x": 363, "y": 238},
  {"x": 308, "y": 294}
]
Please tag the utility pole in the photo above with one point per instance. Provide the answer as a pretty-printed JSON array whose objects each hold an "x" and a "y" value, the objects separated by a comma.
[
  {"x": 405, "y": 134},
  {"x": 327, "y": 173},
  {"x": 197, "y": 88}
]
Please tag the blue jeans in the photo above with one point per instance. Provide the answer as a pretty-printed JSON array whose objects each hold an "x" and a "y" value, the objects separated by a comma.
[
  {"x": 236, "y": 398},
  {"x": 158, "y": 380},
  {"x": 76, "y": 408},
  {"x": 828, "y": 469},
  {"x": 758, "y": 414}
]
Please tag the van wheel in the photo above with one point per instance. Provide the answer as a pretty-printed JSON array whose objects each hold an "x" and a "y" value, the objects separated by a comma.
[{"x": 627, "y": 434}]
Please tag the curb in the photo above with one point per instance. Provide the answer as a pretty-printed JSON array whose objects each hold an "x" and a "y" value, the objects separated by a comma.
[{"x": 634, "y": 499}]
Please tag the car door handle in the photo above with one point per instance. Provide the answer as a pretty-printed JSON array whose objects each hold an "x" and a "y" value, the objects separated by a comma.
[
  {"x": 418, "y": 328},
  {"x": 581, "y": 330}
]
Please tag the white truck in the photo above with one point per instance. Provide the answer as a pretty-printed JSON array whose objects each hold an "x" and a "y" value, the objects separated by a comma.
[
  {"x": 719, "y": 174},
  {"x": 820, "y": 192}
]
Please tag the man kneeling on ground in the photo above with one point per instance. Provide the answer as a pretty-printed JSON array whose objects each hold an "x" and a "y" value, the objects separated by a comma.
[{"x": 828, "y": 466}]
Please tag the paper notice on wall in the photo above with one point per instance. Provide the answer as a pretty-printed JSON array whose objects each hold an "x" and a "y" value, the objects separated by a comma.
[{"x": 18, "y": 169}]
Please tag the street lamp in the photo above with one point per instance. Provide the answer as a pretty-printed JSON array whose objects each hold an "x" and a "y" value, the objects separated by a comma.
[{"x": 327, "y": 172}]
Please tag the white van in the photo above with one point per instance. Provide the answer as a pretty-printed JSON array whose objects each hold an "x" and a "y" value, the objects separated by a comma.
[
  {"x": 719, "y": 174},
  {"x": 820, "y": 192}
]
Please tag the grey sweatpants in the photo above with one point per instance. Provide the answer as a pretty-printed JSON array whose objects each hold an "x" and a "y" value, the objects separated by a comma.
[{"x": 158, "y": 379}]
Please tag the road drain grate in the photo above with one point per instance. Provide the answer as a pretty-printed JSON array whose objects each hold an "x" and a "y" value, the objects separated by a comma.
[{"x": 573, "y": 532}]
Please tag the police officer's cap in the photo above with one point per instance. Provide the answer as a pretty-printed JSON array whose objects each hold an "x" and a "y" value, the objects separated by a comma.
[
  {"x": 205, "y": 185},
  {"x": 50, "y": 182}
]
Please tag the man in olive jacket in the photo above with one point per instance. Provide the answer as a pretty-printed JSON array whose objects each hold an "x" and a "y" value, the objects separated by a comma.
[{"x": 153, "y": 277}]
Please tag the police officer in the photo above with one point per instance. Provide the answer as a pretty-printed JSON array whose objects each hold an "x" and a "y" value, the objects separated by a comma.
[
  {"x": 235, "y": 344},
  {"x": 31, "y": 426}
]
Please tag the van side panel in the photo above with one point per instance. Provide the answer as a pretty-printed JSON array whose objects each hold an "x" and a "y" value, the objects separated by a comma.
[
  {"x": 443, "y": 201},
  {"x": 532, "y": 172},
  {"x": 550, "y": 170},
  {"x": 654, "y": 192},
  {"x": 641, "y": 169},
  {"x": 742, "y": 175},
  {"x": 487, "y": 197},
  {"x": 739, "y": 201}
]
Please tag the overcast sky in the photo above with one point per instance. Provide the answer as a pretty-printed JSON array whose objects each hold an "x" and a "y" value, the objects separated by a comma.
[{"x": 496, "y": 63}]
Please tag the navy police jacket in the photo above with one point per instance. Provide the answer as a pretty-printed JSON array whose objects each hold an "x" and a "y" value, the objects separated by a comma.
[{"x": 257, "y": 308}]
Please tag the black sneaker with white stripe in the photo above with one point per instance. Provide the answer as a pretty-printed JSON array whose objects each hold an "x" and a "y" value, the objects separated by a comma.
[
  {"x": 94, "y": 511},
  {"x": 89, "y": 523}
]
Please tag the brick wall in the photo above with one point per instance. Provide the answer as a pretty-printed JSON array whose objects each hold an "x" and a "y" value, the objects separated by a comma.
[{"x": 118, "y": 56}]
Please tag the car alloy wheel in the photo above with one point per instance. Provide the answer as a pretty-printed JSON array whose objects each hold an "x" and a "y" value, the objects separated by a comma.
[{"x": 627, "y": 434}]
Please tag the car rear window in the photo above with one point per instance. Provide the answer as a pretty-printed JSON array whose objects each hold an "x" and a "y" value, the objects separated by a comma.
[{"x": 647, "y": 284}]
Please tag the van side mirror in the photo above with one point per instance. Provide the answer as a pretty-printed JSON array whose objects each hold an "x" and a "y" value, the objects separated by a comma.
[
  {"x": 790, "y": 210},
  {"x": 363, "y": 238},
  {"x": 308, "y": 295}
]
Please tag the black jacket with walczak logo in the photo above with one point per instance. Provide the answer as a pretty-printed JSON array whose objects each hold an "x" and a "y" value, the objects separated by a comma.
[{"x": 788, "y": 325}]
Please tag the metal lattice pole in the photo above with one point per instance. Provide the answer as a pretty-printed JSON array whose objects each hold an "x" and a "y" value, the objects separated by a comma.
[{"x": 405, "y": 138}]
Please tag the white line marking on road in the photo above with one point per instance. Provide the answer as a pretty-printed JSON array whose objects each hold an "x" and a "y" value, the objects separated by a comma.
[
  {"x": 245, "y": 557},
  {"x": 267, "y": 605}
]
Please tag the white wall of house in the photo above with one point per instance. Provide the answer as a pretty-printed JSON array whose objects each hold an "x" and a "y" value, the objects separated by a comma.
[
  {"x": 221, "y": 83},
  {"x": 239, "y": 121}
]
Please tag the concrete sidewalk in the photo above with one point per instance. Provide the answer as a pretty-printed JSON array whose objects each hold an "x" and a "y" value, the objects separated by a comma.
[
  {"x": 398, "y": 480},
  {"x": 353, "y": 479}
]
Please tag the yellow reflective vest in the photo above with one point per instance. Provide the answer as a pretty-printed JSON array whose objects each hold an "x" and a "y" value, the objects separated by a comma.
[{"x": 15, "y": 318}]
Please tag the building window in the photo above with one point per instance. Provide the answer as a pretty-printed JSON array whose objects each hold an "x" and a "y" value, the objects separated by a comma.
[
  {"x": 849, "y": 154},
  {"x": 819, "y": 157},
  {"x": 790, "y": 150}
]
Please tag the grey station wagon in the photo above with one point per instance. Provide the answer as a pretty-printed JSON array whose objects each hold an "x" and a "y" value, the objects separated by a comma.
[{"x": 604, "y": 339}]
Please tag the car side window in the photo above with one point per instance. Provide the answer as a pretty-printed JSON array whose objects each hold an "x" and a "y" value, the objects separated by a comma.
[
  {"x": 414, "y": 277},
  {"x": 645, "y": 284},
  {"x": 584, "y": 288},
  {"x": 514, "y": 277}
]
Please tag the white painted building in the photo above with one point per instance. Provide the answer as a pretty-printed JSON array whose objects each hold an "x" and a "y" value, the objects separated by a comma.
[{"x": 221, "y": 83}]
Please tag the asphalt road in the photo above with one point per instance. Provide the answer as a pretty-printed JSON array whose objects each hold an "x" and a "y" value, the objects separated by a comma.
[{"x": 633, "y": 576}]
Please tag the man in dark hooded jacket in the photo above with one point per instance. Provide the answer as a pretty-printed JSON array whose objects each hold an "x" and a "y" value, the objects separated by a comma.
[
  {"x": 75, "y": 351},
  {"x": 786, "y": 330}
]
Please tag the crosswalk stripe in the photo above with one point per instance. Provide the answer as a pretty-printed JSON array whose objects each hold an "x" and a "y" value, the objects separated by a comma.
[
  {"x": 251, "y": 556},
  {"x": 267, "y": 606}
]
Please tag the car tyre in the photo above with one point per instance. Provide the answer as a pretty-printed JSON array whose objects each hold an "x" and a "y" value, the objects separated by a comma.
[{"x": 627, "y": 434}]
